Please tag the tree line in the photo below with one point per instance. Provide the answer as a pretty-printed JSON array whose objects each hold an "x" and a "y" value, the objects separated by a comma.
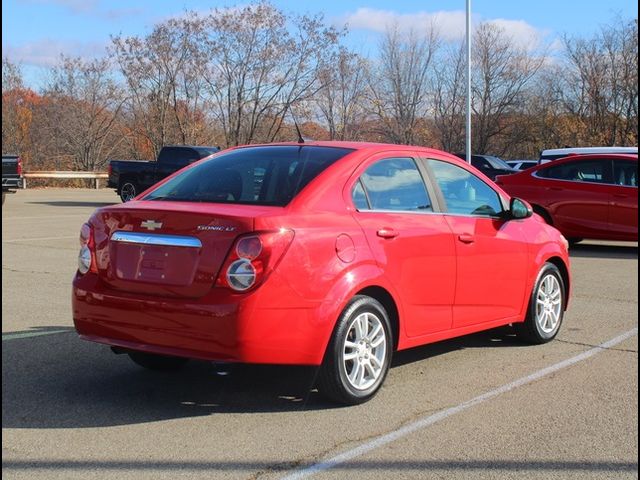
[{"x": 241, "y": 76}]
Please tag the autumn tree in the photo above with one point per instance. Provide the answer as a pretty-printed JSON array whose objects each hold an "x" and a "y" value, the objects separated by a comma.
[{"x": 80, "y": 114}]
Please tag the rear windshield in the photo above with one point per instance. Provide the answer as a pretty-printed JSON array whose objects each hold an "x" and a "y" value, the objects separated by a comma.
[{"x": 270, "y": 175}]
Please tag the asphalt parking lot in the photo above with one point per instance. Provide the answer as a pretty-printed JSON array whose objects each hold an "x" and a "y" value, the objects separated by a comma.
[{"x": 483, "y": 406}]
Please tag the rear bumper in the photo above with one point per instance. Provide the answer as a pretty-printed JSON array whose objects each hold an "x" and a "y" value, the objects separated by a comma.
[
  {"x": 220, "y": 326},
  {"x": 11, "y": 183}
]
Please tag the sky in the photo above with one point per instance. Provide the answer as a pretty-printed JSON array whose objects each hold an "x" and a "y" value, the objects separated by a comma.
[{"x": 36, "y": 32}]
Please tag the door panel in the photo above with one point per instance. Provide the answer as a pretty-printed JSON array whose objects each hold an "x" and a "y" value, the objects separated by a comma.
[
  {"x": 623, "y": 203},
  {"x": 492, "y": 269}
]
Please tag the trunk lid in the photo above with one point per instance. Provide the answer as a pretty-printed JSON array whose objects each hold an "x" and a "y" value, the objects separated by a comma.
[{"x": 167, "y": 248}]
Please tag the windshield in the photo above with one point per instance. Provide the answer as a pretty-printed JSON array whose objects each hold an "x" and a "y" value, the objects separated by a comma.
[
  {"x": 266, "y": 175},
  {"x": 498, "y": 162}
]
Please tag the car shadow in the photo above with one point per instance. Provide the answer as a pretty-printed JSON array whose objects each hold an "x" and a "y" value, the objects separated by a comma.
[
  {"x": 59, "y": 381},
  {"x": 65, "y": 203},
  {"x": 586, "y": 250}
]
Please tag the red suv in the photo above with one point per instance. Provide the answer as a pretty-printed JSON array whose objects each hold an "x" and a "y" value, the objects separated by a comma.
[
  {"x": 331, "y": 254},
  {"x": 583, "y": 196}
]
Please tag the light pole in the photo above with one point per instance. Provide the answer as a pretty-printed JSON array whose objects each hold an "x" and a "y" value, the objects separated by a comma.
[{"x": 468, "y": 122}]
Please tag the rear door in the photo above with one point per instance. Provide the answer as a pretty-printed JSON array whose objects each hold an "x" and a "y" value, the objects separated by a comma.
[
  {"x": 411, "y": 242},
  {"x": 623, "y": 206},
  {"x": 578, "y": 195},
  {"x": 491, "y": 252}
]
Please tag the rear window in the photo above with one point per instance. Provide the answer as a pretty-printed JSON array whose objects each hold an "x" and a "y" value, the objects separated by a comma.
[{"x": 270, "y": 175}]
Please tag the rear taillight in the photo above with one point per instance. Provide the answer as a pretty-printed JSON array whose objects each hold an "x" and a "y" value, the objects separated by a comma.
[
  {"x": 252, "y": 258},
  {"x": 109, "y": 169},
  {"x": 19, "y": 166},
  {"x": 87, "y": 255}
]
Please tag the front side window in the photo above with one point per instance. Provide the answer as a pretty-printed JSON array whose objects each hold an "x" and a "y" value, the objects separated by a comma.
[
  {"x": 581, "y": 171},
  {"x": 463, "y": 192},
  {"x": 393, "y": 184},
  {"x": 269, "y": 175}
]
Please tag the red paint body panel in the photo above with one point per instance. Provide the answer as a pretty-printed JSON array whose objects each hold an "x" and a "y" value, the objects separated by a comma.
[
  {"x": 581, "y": 209},
  {"x": 441, "y": 286}
]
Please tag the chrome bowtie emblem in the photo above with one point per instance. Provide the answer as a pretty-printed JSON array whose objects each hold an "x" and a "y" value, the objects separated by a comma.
[{"x": 151, "y": 224}]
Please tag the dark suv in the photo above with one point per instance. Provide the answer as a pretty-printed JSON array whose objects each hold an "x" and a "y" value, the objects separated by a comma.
[{"x": 489, "y": 165}]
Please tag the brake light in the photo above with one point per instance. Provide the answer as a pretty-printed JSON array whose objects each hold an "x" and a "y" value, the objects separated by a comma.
[
  {"x": 109, "y": 169},
  {"x": 87, "y": 256},
  {"x": 252, "y": 258},
  {"x": 19, "y": 166}
]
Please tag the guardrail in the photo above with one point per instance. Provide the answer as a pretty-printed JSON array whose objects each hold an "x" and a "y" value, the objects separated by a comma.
[{"x": 96, "y": 176}]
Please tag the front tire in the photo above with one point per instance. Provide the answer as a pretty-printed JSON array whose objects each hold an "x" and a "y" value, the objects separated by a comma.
[
  {"x": 157, "y": 362},
  {"x": 546, "y": 307},
  {"x": 359, "y": 354},
  {"x": 128, "y": 190}
]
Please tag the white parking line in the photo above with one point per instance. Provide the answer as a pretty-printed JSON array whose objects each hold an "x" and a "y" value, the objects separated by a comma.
[
  {"x": 14, "y": 240},
  {"x": 431, "y": 419},
  {"x": 14, "y": 336}
]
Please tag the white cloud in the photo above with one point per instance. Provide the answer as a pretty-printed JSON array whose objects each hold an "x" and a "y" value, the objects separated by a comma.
[
  {"x": 75, "y": 6},
  {"x": 451, "y": 25},
  {"x": 46, "y": 52}
]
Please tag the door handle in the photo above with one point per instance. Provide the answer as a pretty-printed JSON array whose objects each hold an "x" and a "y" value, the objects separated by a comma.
[
  {"x": 387, "y": 233},
  {"x": 555, "y": 189},
  {"x": 619, "y": 195},
  {"x": 466, "y": 238}
]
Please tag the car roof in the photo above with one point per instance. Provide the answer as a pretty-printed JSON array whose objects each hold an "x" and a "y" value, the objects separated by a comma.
[
  {"x": 359, "y": 146},
  {"x": 587, "y": 150}
]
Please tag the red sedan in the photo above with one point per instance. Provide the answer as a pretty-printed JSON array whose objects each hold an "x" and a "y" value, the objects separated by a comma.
[
  {"x": 327, "y": 253},
  {"x": 583, "y": 196}
]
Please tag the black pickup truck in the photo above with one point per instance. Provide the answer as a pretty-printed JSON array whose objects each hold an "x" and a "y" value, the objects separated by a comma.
[
  {"x": 11, "y": 174},
  {"x": 130, "y": 177}
]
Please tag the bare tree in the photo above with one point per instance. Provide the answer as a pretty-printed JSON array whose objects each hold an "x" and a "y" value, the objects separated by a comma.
[
  {"x": 398, "y": 87},
  {"x": 341, "y": 101},
  {"x": 602, "y": 84},
  {"x": 261, "y": 62},
  {"x": 449, "y": 99},
  {"x": 502, "y": 72},
  {"x": 81, "y": 112},
  {"x": 161, "y": 71}
]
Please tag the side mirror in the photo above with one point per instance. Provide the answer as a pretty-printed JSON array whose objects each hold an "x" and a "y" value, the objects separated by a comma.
[{"x": 519, "y": 208}]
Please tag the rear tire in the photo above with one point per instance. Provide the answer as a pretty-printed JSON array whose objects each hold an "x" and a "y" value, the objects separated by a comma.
[
  {"x": 127, "y": 191},
  {"x": 152, "y": 361},
  {"x": 546, "y": 307},
  {"x": 359, "y": 354}
]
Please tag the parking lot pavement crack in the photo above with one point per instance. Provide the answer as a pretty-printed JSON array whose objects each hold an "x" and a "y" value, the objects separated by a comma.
[
  {"x": 629, "y": 350},
  {"x": 14, "y": 270}
]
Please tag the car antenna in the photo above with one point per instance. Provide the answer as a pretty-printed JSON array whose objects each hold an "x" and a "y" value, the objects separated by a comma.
[{"x": 300, "y": 137}]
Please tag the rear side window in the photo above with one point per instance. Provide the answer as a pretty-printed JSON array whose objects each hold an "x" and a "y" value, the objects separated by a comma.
[
  {"x": 270, "y": 175},
  {"x": 580, "y": 171},
  {"x": 625, "y": 173},
  {"x": 393, "y": 184}
]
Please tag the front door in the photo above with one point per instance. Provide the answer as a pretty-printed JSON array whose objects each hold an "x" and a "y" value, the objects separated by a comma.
[{"x": 491, "y": 251}]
